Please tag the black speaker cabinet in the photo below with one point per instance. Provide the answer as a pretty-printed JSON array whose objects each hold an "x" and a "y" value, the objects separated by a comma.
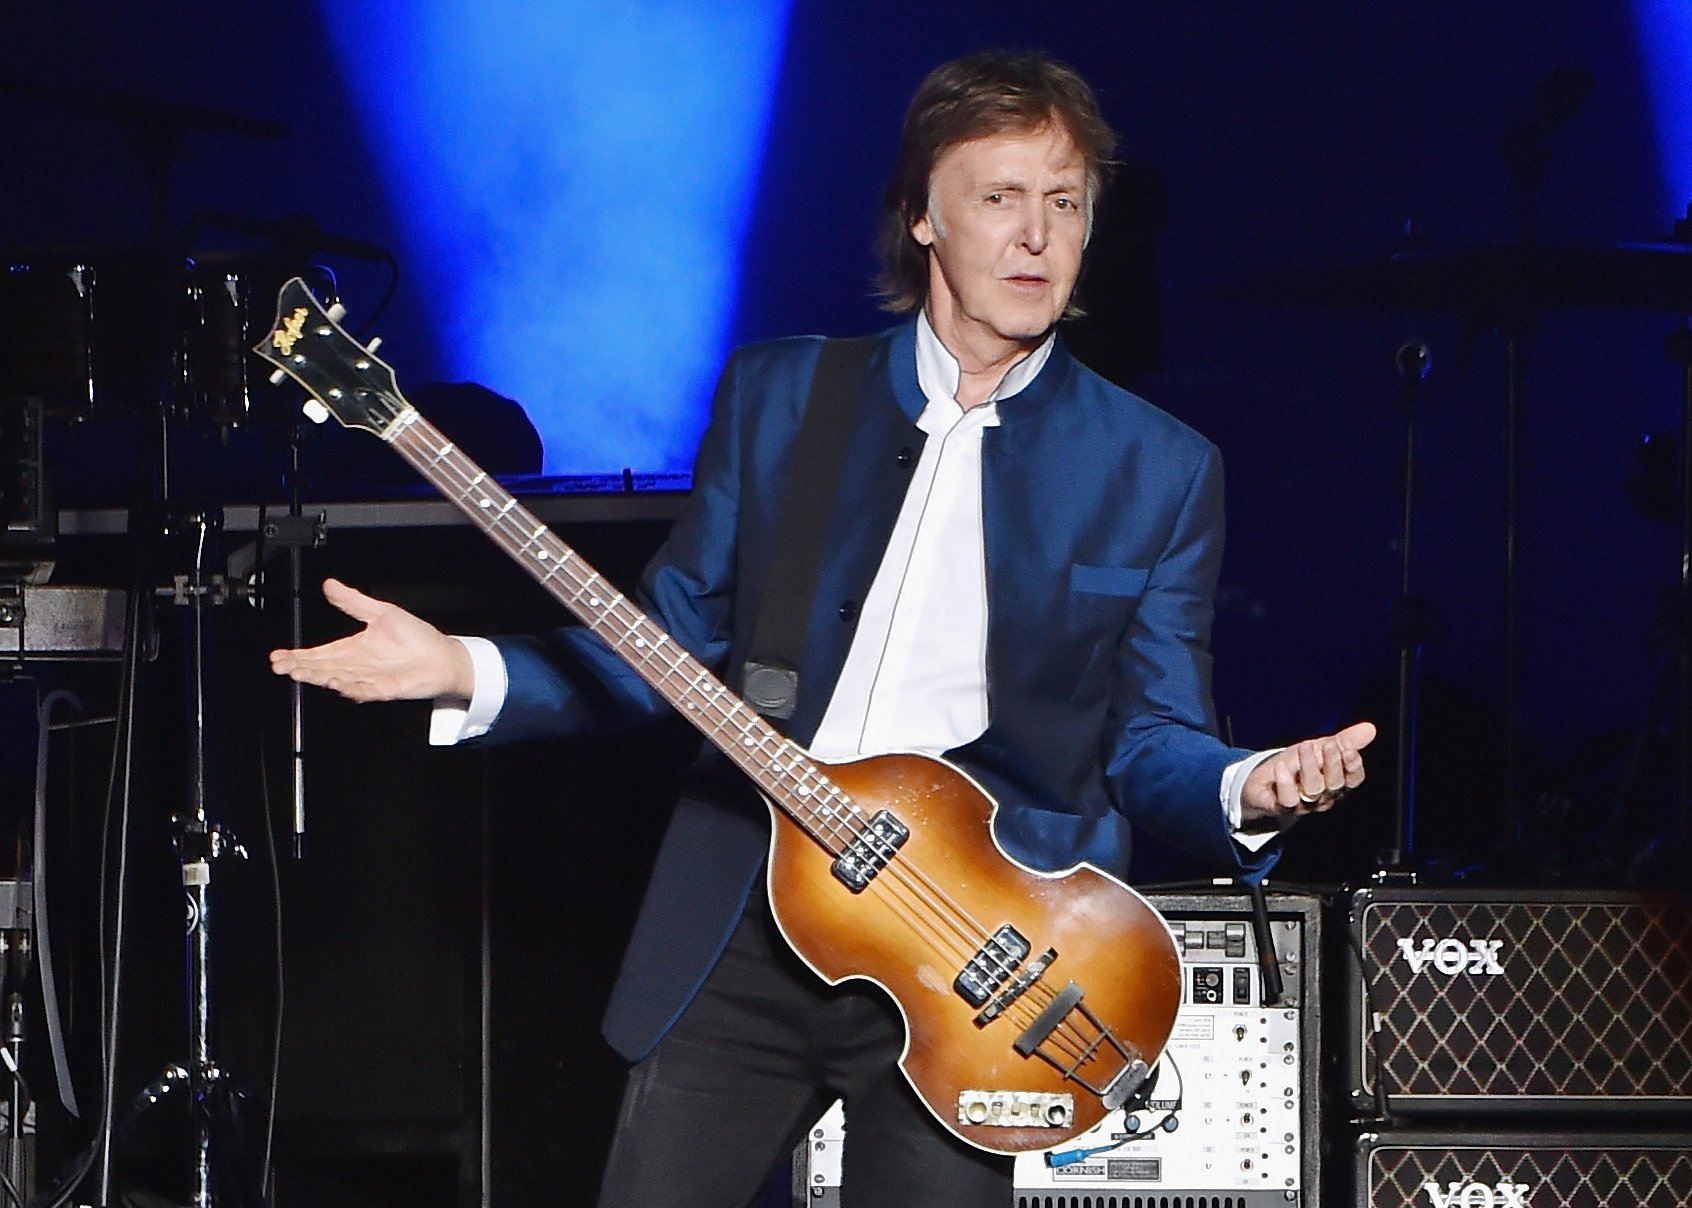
[
  {"x": 1506, "y": 1002},
  {"x": 1494, "y": 1170}
]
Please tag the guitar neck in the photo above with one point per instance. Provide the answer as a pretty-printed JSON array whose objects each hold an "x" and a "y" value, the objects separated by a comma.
[{"x": 775, "y": 764}]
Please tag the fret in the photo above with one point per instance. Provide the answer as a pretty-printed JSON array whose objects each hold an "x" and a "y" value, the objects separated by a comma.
[
  {"x": 772, "y": 761},
  {"x": 441, "y": 455},
  {"x": 360, "y": 396},
  {"x": 532, "y": 538}
]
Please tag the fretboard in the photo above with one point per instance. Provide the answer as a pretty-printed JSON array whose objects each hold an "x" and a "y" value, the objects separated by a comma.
[{"x": 776, "y": 764}]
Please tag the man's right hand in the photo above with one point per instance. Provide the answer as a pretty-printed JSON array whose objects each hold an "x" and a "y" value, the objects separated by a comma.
[{"x": 396, "y": 656}]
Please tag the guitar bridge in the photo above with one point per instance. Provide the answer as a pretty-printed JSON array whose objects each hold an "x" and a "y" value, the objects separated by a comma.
[
  {"x": 870, "y": 850},
  {"x": 1090, "y": 1054}
]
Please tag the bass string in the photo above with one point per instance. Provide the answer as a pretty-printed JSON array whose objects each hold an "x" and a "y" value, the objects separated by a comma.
[
  {"x": 691, "y": 686},
  {"x": 921, "y": 893},
  {"x": 697, "y": 694}
]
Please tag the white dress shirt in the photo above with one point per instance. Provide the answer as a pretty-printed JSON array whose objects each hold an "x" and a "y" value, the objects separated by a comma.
[{"x": 915, "y": 676}]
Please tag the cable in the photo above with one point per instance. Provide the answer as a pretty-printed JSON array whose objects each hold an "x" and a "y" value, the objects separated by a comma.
[
  {"x": 1137, "y": 1129},
  {"x": 267, "y": 1175},
  {"x": 38, "y": 888},
  {"x": 122, "y": 762}
]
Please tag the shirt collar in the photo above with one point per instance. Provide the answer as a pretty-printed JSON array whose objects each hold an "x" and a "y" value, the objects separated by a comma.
[{"x": 938, "y": 372}]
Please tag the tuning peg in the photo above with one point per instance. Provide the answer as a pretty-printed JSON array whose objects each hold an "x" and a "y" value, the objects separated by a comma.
[
  {"x": 336, "y": 312},
  {"x": 315, "y": 411},
  {"x": 375, "y": 343},
  {"x": 278, "y": 377}
]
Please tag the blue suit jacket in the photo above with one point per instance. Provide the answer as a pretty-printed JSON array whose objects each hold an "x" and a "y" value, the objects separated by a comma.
[{"x": 1103, "y": 522}]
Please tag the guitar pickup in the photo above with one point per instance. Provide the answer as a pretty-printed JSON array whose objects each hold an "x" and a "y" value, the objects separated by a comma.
[
  {"x": 993, "y": 962},
  {"x": 870, "y": 850},
  {"x": 1018, "y": 987}
]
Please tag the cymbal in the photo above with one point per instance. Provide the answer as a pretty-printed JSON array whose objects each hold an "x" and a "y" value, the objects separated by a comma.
[{"x": 1488, "y": 281}]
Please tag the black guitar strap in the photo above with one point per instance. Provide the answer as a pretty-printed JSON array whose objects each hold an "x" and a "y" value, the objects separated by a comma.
[{"x": 770, "y": 678}]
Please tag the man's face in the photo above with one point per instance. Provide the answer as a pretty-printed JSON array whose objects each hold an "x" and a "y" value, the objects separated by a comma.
[{"x": 1006, "y": 223}]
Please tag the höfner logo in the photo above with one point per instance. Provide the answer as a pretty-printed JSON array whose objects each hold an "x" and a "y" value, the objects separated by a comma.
[
  {"x": 1453, "y": 956},
  {"x": 1477, "y": 1195}
]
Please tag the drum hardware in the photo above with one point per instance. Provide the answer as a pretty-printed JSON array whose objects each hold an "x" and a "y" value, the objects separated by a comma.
[
  {"x": 176, "y": 357},
  {"x": 199, "y": 844},
  {"x": 159, "y": 332},
  {"x": 46, "y": 334}
]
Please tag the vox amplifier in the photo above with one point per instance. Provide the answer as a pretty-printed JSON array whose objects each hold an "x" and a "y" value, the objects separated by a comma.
[
  {"x": 1495, "y": 1170},
  {"x": 1503, "y": 1002}
]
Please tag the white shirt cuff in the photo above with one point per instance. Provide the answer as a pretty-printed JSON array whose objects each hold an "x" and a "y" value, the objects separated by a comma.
[
  {"x": 1233, "y": 785},
  {"x": 457, "y": 720}
]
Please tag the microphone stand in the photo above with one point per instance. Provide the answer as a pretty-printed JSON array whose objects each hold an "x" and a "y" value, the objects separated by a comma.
[
  {"x": 1679, "y": 347},
  {"x": 1517, "y": 336},
  {"x": 1413, "y": 361},
  {"x": 1526, "y": 152}
]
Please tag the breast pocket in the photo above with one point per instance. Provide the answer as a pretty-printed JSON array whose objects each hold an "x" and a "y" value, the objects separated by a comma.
[{"x": 1122, "y": 581}]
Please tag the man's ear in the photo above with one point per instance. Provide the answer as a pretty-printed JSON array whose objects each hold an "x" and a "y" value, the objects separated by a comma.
[{"x": 922, "y": 230}]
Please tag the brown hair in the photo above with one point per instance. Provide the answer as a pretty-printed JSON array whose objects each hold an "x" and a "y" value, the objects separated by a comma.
[{"x": 982, "y": 94}]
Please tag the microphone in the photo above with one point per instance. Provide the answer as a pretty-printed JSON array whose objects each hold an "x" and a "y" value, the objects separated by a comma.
[
  {"x": 1558, "y": 97},
  {"x": 297, "y": 236}
]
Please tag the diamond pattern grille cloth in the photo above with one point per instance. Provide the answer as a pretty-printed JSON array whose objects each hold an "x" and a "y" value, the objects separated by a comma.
[{"x": 1595, "y": 999}]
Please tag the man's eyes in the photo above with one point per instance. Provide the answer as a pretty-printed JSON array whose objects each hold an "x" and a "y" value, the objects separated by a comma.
[{"x": 1063, "y": 202}]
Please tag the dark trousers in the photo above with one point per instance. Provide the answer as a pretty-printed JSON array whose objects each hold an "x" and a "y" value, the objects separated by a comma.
[{"x": 753, "y": 1061}]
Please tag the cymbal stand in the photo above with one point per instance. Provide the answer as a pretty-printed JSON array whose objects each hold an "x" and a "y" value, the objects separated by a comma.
[{"x": 199, "y": 843}]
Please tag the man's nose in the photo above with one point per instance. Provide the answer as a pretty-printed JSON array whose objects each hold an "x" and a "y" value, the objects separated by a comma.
[{"x": 1035, "y": 228}]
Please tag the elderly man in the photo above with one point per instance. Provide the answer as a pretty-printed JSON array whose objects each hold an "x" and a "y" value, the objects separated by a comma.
[{"x": 1018, "y": 573}]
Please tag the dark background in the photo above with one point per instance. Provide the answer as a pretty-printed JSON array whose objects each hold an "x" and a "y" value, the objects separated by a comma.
[{"x": 451, "y": 900}]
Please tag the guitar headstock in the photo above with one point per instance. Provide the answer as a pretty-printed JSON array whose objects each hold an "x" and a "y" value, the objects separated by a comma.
[{"x": 308, "y": 344}]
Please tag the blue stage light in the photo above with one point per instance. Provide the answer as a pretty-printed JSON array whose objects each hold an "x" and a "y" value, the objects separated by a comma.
[
  {"x": 1665, "y": 46},
  {"x": 573, "y": 181}
]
